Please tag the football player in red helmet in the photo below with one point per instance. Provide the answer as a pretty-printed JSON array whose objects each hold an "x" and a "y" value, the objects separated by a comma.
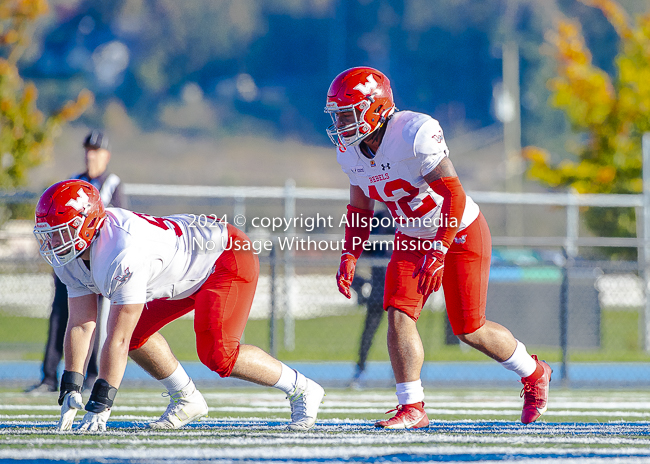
[
  {"x": 154, "y": 270},
  {"x": 359, "y": 101},
  {"x": 68, "y": 216},
  {"x": 401, "y": 159}
]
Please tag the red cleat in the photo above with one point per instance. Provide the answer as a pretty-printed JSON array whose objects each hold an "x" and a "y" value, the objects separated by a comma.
[
  {"x": 409, "y": 416},
  {"x": 535, "y": 394}
]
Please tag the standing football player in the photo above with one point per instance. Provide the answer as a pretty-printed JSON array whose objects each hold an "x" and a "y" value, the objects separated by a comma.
[
  {"x": 401, "y": 159},
  {"x": 154, "y": 270}
]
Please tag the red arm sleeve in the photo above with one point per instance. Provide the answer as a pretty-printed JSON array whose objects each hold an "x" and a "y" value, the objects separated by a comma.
[
  {"x": 357, "y": 226},
  {"x": 453, "y": 207}
]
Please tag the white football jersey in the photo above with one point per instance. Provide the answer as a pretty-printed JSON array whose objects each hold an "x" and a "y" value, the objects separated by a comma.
[
  {"x": 138, "y": 258},
  {"x": 413, "y": 145}
]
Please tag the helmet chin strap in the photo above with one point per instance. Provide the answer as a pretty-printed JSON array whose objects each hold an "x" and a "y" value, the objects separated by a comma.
[{"x": 374, "y": 136}]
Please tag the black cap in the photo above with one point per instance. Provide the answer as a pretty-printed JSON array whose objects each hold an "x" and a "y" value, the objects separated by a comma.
[{"x": 96, "y": 139}]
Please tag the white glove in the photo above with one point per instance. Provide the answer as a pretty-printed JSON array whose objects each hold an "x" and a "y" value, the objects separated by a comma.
[
  {"x": 94, "y": 421},
  {"x": 72, "y": 402}
]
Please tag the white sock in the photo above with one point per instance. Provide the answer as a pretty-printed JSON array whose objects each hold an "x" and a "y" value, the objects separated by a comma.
[
  {"x": 410, "y": 392},
  {"x": 177, "y": 381},
  {"x": 287, "y": 380},
  {"x": 520, "y": 361}
]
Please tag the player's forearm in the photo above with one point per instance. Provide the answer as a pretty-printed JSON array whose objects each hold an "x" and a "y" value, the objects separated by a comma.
[
  {"x": 453, "y": 207},
  {"x": 444, "y": 181},
  {"x": 76, "y": 346},
  {"x": 358, "y": 216},
  {"x": 358, "y": 198},
  {"x": 82, "y": 313},
  {"x": 357, "y": 230},
  {"x": 113, "y": 361},
  {"x": 121, "y": 323}
]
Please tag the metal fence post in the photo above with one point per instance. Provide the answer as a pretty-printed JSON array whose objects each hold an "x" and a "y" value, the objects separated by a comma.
[
  {"x": 572, "y": 225},
  {"x": 646, "y": 238},
  {"x": 273, "y": 348},
  {"x": 570, "y": 251},
  {"x": 564, "y": 317},
  {"x": 289, "y": 269}
]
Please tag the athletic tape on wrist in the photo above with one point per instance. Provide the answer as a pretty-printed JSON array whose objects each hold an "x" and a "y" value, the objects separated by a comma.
[
  {"x": 70, "y": 382},
  {"x": 101, "y": 397}
]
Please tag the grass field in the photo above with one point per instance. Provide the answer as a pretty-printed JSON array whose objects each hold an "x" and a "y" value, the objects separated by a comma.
[
  {"x": 336, "y": 338},
  {"x": 248, "y": 425}
]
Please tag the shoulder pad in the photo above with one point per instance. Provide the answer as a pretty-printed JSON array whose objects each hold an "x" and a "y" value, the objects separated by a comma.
[
  {"x": 399, "y": 140},
  {"x": 430, "y": 139}
]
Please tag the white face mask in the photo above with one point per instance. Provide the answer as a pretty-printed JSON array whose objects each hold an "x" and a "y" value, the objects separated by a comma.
[
  {"x": 349, "y": 127},
  {"x": 59, "y": 245}
]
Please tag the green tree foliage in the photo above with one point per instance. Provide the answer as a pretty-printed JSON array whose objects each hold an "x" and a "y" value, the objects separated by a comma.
[
  {"x": 610, "y": 115},
  {"x": 26, "y": 135}
]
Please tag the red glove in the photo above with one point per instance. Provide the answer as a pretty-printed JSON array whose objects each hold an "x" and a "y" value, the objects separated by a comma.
[
  {"x": 346, "y": 274},
  {"x": 430, "y": 268}
]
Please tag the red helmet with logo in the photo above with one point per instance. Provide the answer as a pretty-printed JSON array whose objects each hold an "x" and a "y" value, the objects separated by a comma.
[
  {"x": 68, "y": 217},
  {"x": 365, "y": 94}
]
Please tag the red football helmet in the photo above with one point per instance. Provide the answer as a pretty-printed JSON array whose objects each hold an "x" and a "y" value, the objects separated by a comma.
[
  {"x": 359, "y": 101},
  {"x": 68, "y": 217}
]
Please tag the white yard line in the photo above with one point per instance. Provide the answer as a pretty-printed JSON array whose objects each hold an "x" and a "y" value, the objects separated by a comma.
[
  {"x": 368, "y": 437},
  {"x": 309, "y": 452},
  {"x": 27, "y": 430},
  {"x": 461, "y": 409}
]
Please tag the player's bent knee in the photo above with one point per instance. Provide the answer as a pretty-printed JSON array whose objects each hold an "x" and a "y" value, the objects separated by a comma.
[
  {"x": 215, "y": 356},
  {"x": 469, "y": 334},
  {"x": 465, "y": 326},
  {"x": 398, "y": 312},
  {"x": 137, "y": 343},
  {"x": 222, "y": 365}
]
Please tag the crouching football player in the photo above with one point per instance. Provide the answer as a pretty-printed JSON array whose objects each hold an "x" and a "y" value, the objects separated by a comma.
[{"x": 154, "y": 270}]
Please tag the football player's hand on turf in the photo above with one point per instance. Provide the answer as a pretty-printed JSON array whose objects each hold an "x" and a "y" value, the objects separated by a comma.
[
  {"x": 72, "y": 402},
  {"x": 430, "y": 268},
  {"x": 94, "y": 421},
  {"x": 346, "y": 273}
]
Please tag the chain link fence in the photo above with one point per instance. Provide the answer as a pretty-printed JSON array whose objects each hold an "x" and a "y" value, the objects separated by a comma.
[{"x": 582, "y": 313}]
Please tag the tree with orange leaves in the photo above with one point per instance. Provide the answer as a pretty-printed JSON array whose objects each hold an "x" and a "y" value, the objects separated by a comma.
[
  {"x": 611, "y": 113},
  {"x": 26, "y": 135}
]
